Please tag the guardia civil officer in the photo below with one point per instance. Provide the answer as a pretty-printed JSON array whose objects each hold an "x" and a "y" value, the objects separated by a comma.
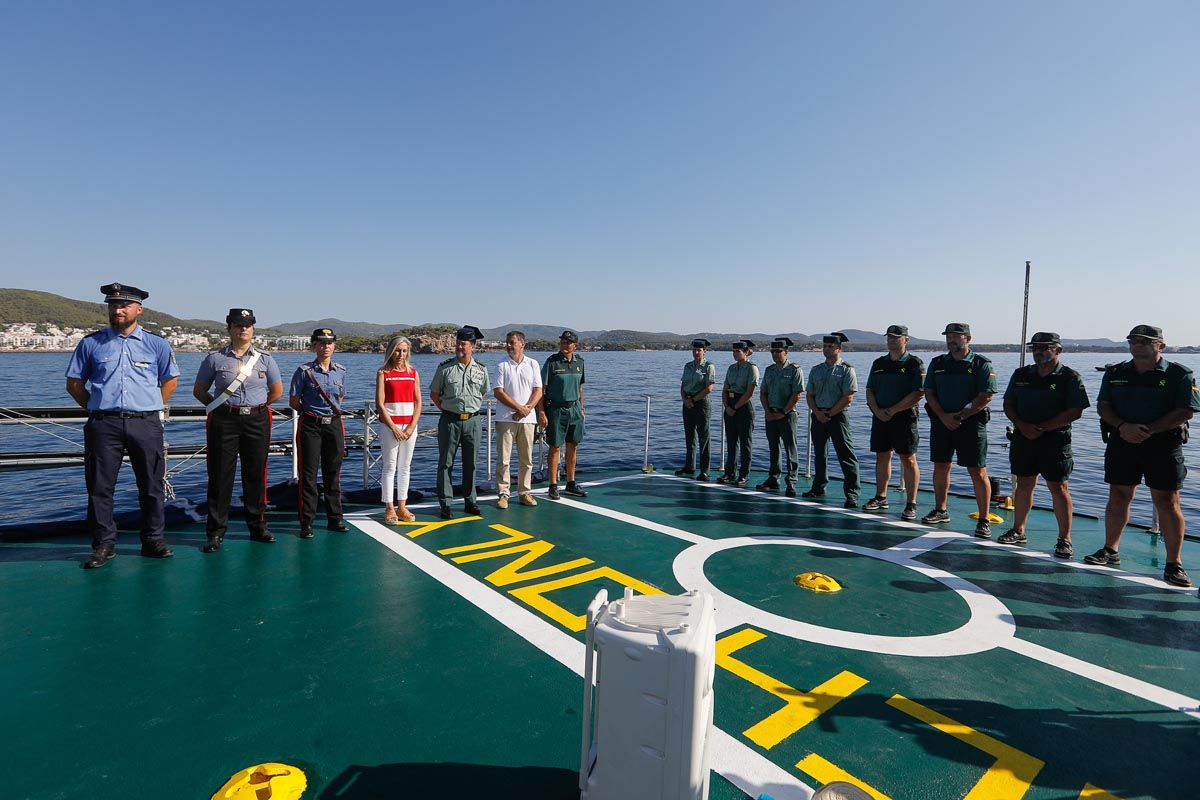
[
  {"x": 1042, "y": 400},
  {"x": 699, "y": 376},
  {"x": 123, "y": 375},
  {"x": 893, "y": 393},
  {"x": 782, "y": 385},
  {"x": 1145, "y": 404},
  {"x": 958, "y": 387},
  {"x": 561, "y": 412},
  {"x": 457, "y": 389},
  {"x": 741, "y": 379},
  {"x": 832, "y": 385},
  {"x": 317, "y": 392},
  {"x": 237, "y": 385}
]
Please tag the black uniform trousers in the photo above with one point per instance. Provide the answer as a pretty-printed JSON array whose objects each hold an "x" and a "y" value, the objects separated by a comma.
[
  {"x": 695, "y": 431},
  {"x": 107, "y": 436},
  {"x": 783, "y": 431},
  {"x": 322, "y": 444},
  {"x": 739, "y": 433},
  {"x": 837, "y": 429},
  {"x": 230, "y": 435}
]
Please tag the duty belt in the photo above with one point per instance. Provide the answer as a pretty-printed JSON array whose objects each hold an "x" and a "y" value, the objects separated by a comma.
[
  {"x": 126, "y": 414},
  {"x": 461, "y": 416},
  {"x": 317, "y": 418},
  {"x": 242, "y": 410},
  {"x": 560, "y": 403}
]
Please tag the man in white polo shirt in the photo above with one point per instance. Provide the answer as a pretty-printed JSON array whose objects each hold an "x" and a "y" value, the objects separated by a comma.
[{"x": 518, "y": 387}]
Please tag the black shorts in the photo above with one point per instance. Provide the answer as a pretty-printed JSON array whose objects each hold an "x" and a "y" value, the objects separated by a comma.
[
  {"x": 1159, "y": 460},
  {"x": 898, "y": 434},
  {"x": 969, "y": 442},
  {"x": 1049, "y": 455}
]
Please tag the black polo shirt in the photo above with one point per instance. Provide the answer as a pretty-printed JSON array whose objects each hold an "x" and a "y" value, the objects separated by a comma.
[{"x": 1039, "y": 398}]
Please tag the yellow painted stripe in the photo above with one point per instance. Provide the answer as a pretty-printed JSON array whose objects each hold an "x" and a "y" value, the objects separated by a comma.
[
  {"x": 1007, "y": 779},
  {"x": 415, "y": 529},
  {"x": 828, "y": 772},
  {"x": 512, "y": 536},
  {"x": 1096, "y": 793},
  {"x": 512, "y": 572},
  {"x": 800, "y": 708},
  {"x": 533, "y": 595}
]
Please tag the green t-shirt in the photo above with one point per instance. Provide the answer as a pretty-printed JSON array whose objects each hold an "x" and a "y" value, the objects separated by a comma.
[
  {"x": 562, "y": 379},
  {"x": 1039, "y": 398},
  {"x": 1148, "y": 396},
  {"x": 893, "y": 380},
  {"x": 956, "y": 383}
]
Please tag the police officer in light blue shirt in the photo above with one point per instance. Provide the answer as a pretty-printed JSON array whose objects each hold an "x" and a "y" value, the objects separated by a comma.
[
  {"x": 123, "y": 375},
  {"x": 237, "y": 384},
  {"x": 317, "y": 391}
]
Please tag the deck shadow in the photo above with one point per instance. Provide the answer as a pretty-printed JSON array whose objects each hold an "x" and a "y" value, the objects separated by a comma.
[{"x": 358, "y": 782}]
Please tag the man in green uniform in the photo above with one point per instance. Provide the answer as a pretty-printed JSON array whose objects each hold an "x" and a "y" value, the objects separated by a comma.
[
  {"x": 958, "y": 387},
  {"x": 832, "y": 385},
  {"x": 699, "y": 376},
  {"x": 782, "y": 385},
  {"x": 893, "y": 393},
  {"x": 1042, "y": 400},
  {"x": 737, "y": 395},
  {"x": 457, "y": 389},
  {"x": 1144, "y": 404},
  {"x": 561, "y": 412}
]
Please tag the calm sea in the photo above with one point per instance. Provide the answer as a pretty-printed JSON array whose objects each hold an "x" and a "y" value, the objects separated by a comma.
[{"x": 616, "y": 390}]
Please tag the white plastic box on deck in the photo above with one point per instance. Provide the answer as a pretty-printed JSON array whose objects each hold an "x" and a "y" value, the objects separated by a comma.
[{"x": 654, "y": 657}]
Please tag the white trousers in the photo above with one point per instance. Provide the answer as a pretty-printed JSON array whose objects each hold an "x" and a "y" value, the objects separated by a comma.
[
  {"x": 523, "y": 433},
  {"x": 397, "y": 458}
]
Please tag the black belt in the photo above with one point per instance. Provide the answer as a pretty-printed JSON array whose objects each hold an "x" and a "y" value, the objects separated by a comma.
[
  {"x": 126, "y": 414},
  {"x": 243, "y": 410},
  {"x": 461, "y": 416},
  {"x": 560, "y": 404},
  {"x": 781, "y": 411},
  {"x": 320, "y": 420}
]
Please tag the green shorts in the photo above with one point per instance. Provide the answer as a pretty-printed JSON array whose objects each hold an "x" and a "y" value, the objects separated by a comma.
[
  {"x": 969, "y": 442},
  {"x": 564, "y": 424}
]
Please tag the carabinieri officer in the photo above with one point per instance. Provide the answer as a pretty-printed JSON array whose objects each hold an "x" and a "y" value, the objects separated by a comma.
[
  {"x": 699, "y": 376},
  {"x": 123, "y": 375},
  {"x": 457, "y": 389},
  {"x": 738, "y": 394},
  {"x": 237, "y": 385},
  {"x": 782, "y": 385},
  {"x": 317, "y": 392}
]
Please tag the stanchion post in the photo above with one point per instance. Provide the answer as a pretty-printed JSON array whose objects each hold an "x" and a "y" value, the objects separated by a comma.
[{"x": 646, "y": 447}]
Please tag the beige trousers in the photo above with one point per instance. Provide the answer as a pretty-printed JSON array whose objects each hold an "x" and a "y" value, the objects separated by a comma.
[{"x": 523, "y": 433}]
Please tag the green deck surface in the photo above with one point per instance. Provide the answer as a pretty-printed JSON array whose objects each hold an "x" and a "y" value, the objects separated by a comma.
[{"x": 162, "y": 678}]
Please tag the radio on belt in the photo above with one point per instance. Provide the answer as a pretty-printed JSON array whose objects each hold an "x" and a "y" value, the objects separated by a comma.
[{"x": 647, "y": 737}]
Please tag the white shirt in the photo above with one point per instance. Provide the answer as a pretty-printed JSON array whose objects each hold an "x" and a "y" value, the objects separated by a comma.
[{"x": 518, "y": 381}]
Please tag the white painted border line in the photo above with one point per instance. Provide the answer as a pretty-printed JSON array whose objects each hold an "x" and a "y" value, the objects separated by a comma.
[
  {"x": 1107, "y": 677},
  {"x": 735, "y": 761}
]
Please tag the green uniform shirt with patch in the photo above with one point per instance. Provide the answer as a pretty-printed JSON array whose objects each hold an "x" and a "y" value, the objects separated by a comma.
[
  {"x": 828, "y": 384},
  {"x": 1148, "y": 396},
  {"x": 462, "y": 388},
  {"x": 562, "y": 379},
  {"x": 780, "y": 383},
  {"x": 698, "y": 377},
  {"x": 956, "y": 383},
  {"x": 1039, "y": 398},
  {"x": 740, "y": 377},
  {"x": 893, "y": 380}
]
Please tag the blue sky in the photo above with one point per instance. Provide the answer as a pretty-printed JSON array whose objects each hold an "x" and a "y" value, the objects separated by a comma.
[{"x": 672, "y": 166}]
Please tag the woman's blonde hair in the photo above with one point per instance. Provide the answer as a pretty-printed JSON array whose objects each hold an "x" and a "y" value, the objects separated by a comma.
[{"x": 394, "y": 345}]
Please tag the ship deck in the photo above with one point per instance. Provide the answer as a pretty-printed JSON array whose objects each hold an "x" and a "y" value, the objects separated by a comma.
[{"x": 444, "y": 658}]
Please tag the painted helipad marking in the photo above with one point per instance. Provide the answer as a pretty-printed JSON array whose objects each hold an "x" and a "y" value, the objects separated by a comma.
[
  {"x": 990, "y": 622},
  {"x": 735, "y": 761}
]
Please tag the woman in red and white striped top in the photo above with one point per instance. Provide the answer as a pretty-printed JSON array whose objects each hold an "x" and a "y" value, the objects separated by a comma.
[{"x": 398, "y": 401}]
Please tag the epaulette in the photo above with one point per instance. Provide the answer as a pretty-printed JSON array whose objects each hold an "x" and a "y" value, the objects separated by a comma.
[
  {"x": 448, "y": 360},
  {"x": 334, "y": 365}
]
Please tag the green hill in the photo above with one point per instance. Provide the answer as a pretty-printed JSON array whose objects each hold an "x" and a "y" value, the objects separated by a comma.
[{"x": 27, "y": 305}]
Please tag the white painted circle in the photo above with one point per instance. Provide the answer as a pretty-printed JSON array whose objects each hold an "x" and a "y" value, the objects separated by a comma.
[{"x": 990, "y": 625}]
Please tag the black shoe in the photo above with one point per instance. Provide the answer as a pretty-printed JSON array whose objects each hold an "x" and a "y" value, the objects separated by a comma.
[
  {"x": 552, "y": 492},
  {"x": 472, "y": 509},
  {"x": 702, "y": 477},
  {"x": 266, "y": 537},
  {"x": 740, "y": 483},
  {"x": 156, "y": 548},
  {"x": 909, "y": 514},
  {"x": 877, "y": 503},
  {"x": 813, "y": 495},
  {"x": 446, "y": 513},
  {"x": 306, "y": 532},
  {"x": 575, "y": 489},
  {"x": 338, "y": 525},
  {"x": 1175, "y": 575},
  {"x": 1063, "y": 549},
  {"x": 1104, "y": 558},
  {"x": 769, "y": 485},
  {"x": 100, "y": 556},
  {"x": 936, "y": 517},
  {"x": 983, "y": 529},
  {"x": 1012, "y": 536},
  {"x": 850, "y": 504},
  {"x": 212, "y": 545},
  {"x": 684, "y": 473},
  {"x": 726, "y": 478},
  {"x": 790, "y": 491}
]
